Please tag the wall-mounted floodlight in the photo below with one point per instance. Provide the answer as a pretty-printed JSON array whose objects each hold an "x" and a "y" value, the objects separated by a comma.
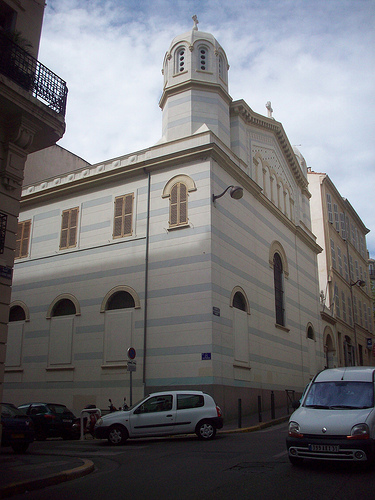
[
  {"x": 360, "y": 283},
  {"x": 236, "y": 192}
]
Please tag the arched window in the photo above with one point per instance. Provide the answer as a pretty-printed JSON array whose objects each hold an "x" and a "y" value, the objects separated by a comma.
[
  {"x": 310, "y": 333},
  {"x": 203, "y": 58},
  {"x": 178, "y": 205},
  {"x": 241, "y": 313},
  {"x": 17, "y": 313},
  {"x": 119, "y": 307},
  {"x": 62, "y": 313},
  {"x": 120, "y": 300},
  {"x": 177, "y": 190},
  {"x": 180, "y": 61},
  {"x": 239, "y": 302},
  {"x": 64, "y": 307},
  {"x": 279, "y": 289},
  {"x": 18, "y": 316},
  {"x": 329, "y": 348}
]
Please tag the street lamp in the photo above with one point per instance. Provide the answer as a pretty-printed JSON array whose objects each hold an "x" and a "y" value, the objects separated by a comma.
[
  {"x": 236, "y": 192},
  {"x": 360, "y": 283}
]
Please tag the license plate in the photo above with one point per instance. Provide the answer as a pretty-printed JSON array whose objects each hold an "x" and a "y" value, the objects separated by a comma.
[
  {"x": 67, "y": 421},
  {"x": 333, "y": 448},
  {"x": 18, "y": 436}
]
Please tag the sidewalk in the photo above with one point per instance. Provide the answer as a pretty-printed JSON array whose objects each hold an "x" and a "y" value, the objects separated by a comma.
[
  {"x": 35, "y": 470},
  {"x": 32, "y": 471}
]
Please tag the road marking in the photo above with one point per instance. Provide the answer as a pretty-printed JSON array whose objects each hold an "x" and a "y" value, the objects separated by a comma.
[{"x": 279, "y": 455}]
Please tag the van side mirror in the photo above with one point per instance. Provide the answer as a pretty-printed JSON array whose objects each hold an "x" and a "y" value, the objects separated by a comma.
[{"x": 296, "y": 404}]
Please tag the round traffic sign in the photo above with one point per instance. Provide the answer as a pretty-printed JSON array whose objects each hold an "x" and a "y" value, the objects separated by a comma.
[{"x": 131, "y": 353}]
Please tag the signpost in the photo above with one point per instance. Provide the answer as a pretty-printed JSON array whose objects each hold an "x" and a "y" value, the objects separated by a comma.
[{"x": 132, "y": 367}]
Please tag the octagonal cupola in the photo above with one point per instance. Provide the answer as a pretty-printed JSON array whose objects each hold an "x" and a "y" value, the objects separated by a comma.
[{"x": 195, "y": 94}]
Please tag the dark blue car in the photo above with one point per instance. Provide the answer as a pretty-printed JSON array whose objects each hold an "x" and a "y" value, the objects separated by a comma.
[{"x": 18, "y": 429}]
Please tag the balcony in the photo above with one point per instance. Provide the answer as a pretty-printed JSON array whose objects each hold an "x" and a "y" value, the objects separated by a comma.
[{"x": 32, "y": 76}]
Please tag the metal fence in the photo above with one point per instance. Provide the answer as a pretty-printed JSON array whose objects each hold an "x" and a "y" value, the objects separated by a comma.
[{"x": 32, "y": 76}]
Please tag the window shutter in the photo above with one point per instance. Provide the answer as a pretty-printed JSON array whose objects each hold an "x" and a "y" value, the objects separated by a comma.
[
  {"x": 73, "y": 227},
  {"x": 118, "y": 217},
  {"x": 25, "y": 238},
  {"x": 19, "y": 240},
  {"x": 128, "y": 215},
  {"x": 123, "y": 218},
  {"x": 64, "y": 229},
  {"x": 183, "y": 204},
  {"x": 69, "y": 224},
  {"x": 173, "y": 206},
  {"x": 22, "y": 239}
]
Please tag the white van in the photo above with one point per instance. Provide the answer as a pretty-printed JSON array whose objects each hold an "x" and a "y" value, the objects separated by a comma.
[{"x": 336, "y": 418}]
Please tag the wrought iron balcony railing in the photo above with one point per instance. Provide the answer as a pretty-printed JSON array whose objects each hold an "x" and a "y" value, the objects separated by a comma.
[{"x": 31, "y": 75}]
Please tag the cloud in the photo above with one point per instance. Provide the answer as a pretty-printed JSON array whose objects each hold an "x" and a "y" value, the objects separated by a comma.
[{"x": 313, "y": 59}]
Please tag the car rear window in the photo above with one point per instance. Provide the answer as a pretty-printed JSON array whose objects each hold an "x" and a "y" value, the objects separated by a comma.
[
  {"x": 185, "y": 401},
  {"x": 60, "y": 409}
]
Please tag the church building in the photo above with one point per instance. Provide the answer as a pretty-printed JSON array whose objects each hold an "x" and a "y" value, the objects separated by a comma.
[{"x": 189, "y": 264}]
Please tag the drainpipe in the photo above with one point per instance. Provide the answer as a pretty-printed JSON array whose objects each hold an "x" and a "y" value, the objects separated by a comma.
[{"x": 146, "y": 279}]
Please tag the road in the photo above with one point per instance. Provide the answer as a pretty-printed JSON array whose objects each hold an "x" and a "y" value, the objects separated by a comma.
[{"x": 233, "y": 466}]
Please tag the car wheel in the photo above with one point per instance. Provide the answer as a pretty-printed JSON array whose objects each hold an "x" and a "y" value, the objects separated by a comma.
[
  {"x": 206, "y": 430},
  {"x": 117, "y": 435},
  {"x": 295, "y": 460},
  {"x": 20, "y": 447}
]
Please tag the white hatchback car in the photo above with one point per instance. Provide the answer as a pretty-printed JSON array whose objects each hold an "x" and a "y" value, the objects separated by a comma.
[
  {"x": 163, "y": 414},
  {"x": 336, "y": 419}
]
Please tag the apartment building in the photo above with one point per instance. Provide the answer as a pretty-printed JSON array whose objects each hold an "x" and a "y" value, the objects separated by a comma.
[
  {"x": 32, "y": 110},
  {"x": 345, "y": 288}
]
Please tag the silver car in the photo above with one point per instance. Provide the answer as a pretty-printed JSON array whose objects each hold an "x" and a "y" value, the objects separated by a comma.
[{"x": 163, "y": 414}]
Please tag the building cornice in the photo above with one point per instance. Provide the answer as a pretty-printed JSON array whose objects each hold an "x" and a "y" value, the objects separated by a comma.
[
  {"x": 194, "y": 85},
  {"x": 241, "y": 109}
]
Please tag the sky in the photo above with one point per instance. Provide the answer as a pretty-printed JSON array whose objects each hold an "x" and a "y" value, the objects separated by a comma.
[{"x": 313, "y": 59}]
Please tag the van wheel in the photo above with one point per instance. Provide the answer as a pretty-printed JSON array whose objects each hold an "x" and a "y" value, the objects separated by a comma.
[
  {"x": 206, "y": 430},
  {"x": 117, "y": 435},
  {"x": 295, "y": 460}
]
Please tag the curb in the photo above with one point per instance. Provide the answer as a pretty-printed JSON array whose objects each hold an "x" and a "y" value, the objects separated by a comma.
[
  {"x": 257, "y": 427},
  {"x": 51, "y": 480}
]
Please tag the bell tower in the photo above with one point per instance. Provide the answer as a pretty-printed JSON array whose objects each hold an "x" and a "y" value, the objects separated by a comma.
[{"x": 195, "y": 94}]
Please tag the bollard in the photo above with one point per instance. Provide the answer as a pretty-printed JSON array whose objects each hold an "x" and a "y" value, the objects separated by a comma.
[
  {"x": 239, "y": 413},
  {"x": 260, "y": 408},
  {"x": 272, "y": 406}
]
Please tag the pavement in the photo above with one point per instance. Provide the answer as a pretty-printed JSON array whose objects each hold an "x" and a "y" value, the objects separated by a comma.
[{"x": 36, "y": 469}]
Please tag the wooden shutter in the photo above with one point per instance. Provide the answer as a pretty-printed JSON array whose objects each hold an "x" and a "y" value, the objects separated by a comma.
[
  {"x": 178, "y": 205},
  {"x": 22, "y": 239},
  {"x": 69, "y": 225},
  {"x": 73, "y": 227},
  {"x": 123, "y": 218},
  {"x": 128, "y": 215},
  {"x": 183, "y": 204}
]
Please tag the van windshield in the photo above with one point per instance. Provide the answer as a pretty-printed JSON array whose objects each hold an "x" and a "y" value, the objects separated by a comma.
[{"x": 340, "y": 395}]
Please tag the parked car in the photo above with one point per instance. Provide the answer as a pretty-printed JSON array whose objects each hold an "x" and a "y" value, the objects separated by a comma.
[
  {"x": 163, "y": 414},
  {"x": 50, "y": 420},
  {"x": 18, "y": 429},
  {"x": 336, "y": 418}
]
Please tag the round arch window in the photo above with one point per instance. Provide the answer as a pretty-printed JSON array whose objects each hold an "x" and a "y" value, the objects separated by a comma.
[
  {"x": 310, "y": 333},
  {"x": 239, "y": 301},
  {"x": 120, "y": 300},
  {"x": 64, "y": 307},
  {"x": 17, "y": 313}
]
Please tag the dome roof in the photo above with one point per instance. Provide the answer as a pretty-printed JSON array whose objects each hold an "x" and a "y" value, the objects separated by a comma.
[
  {"x": 301, "y": 160},
  {"x": 194, "y": 35}
]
